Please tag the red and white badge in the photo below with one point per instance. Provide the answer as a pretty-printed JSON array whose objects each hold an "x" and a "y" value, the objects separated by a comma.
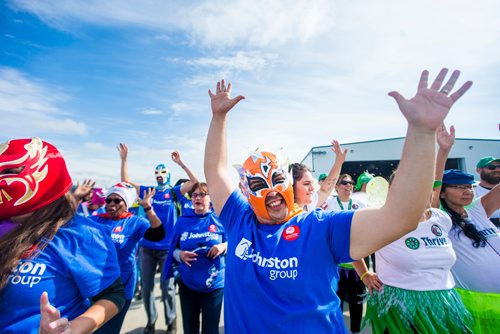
[
  {"x": 212, "y": 228},
  {"x": 167, "y": 195},
  {"x": 291, "y": 233},
  {"x": 118, "y": 229}
]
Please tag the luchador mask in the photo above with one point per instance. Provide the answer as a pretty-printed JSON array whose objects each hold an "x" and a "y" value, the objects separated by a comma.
[
  {"x": 33, "y": 174},
  {"x": 262, "y": 173},
  {"x": 162, "y": 175}
]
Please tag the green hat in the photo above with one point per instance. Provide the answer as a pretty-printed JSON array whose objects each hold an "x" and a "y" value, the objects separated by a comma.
[
  {"x": 322, "y": 177},
  {"x": 362, "y": 179},
  {"x": 486, "y": 161}
]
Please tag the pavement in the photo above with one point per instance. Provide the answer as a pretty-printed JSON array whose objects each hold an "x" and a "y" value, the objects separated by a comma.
[{"x": 136, "y": 320}]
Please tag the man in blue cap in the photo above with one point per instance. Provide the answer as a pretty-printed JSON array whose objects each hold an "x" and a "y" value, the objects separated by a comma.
[{"x": 488, "y": 169}]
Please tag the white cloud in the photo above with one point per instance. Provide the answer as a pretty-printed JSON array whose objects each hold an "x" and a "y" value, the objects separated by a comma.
[
  {"x": 31, "y": 107},
  {"x": 151, "y": 111},
  {"x": 214, "y": 23}
]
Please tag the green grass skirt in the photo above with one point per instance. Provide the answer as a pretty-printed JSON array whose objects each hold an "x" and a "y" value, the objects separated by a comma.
[
  {"x": 485, "y": 309},
  {"x": 409, "y": 311}
]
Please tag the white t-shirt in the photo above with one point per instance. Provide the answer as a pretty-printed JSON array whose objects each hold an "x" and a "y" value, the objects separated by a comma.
[
  {"x": 331, "y": 204},
  {"x": 477, "y": 269},
  {"x": 360, "y": 196},
  {"x": 420, "y": 260},
  {"x": 481, "y": 191}
]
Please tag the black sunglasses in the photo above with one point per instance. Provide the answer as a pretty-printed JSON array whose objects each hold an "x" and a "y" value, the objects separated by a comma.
[
  {"x": 345, "y": 183},
  {"x": 493, "y": 167},
  {"x": 114, "y": 200}
]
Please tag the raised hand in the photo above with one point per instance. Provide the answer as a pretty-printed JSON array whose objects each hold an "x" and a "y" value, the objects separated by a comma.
[
  {"x": 337, "y": 149},
  {"x": 221, "y": 101},
  {"x": 430, "y": 106},
  {"x": 84, "y": 189},
  {"x": 51, "y": 321},
  {"x": 146, "y": 198},
  {"x": 444, "y": 139},
  {"x": 123, "y": 150},
  {"x": 176, "y": 157}
]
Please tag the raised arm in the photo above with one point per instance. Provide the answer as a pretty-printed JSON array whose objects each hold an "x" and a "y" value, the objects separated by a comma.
[
  {"x": 123, "y": 150},
  {"x": 409, "y": 192},
  {"x": 445, "y": 142},
  {"x": 186, "y": 186},
  {"x": 327, "y": 187},
  {"x": 216, "y": 173}
]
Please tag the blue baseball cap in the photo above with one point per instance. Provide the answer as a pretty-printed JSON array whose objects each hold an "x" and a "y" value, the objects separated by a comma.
[{"x": 456, "y": 176}]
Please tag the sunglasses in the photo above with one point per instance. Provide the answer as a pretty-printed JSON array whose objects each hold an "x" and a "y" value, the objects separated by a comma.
[
  {"x": 345, "y": 183},
  {"x": 200, "y": 195},
  {"x": 113, "y": 200},
  {"x": 492, "y": 167}
]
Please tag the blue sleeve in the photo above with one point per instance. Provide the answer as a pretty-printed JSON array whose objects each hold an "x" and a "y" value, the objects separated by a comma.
[
  {"x": 142, "y": 189},
  {"x": 339, "y": 235},
  {"x": 142, "y": 224},
  {"x": 95, "y": 264},
  {"x": 235, "y": 208}
]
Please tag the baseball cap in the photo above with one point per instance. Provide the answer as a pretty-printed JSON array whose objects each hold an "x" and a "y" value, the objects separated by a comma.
[
  {"x": 456, "y": 176},
  {"x": 486, "y": 161},
  {"x": 322, "y": 177}
]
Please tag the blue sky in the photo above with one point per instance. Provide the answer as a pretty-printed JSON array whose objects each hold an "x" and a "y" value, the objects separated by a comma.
[{"x": 86, "y": 75}]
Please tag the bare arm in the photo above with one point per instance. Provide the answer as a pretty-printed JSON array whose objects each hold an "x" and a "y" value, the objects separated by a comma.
[
  {"x": 407, "y": 197},
  {"x": 218, "y": 180},
  {"x": 186, "y": 186},
  {"x": 330, "y": 181},
  {"x": 491, "y": 200},
  {"x": 123, "y": 150},
  {"x": 150, "y": 212},
  {"x": 94, "y": 317},
  {"x": 445, "y": 142}
]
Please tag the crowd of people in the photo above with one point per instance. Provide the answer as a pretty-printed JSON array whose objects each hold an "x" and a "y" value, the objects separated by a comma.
[{"x": 282, "y": 255}]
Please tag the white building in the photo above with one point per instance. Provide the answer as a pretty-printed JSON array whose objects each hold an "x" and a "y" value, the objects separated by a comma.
[{"x": 381, "y": 157}]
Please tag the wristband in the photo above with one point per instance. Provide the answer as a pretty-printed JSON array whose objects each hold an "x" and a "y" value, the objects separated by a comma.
[
  {"x": 363, "y": 276},
  {"x": 149, "y": 208}
]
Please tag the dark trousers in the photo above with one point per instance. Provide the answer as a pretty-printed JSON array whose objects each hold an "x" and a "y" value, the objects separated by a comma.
[
  {"x": 193, "y": 303},
  {"x": 151, "y": 259},
  {"x": 350, "y": 290},
  {"x": 114, "y": 325}
]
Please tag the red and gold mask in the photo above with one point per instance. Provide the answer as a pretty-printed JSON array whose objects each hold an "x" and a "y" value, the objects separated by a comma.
[
  {"x": 262, "y": 173},
  {"x": 32, "y": 174}
]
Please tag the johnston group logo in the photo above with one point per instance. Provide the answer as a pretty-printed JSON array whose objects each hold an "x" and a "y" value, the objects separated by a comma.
[{"x": 243, "y": 248}]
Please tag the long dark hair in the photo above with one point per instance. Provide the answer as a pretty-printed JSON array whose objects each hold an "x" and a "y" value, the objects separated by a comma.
[
  {"x": 463, "y": 224},
  {"x": 38, "y": 229}
]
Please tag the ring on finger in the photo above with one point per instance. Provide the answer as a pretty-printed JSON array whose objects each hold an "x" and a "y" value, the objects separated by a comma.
[{"x": 444, "y": 91}]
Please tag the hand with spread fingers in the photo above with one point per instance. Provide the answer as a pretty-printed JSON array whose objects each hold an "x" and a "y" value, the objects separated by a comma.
[
  {"x": 221, "y": 101},
  {"x": 84, "y": 189},
  {"x": 429, "y": 107},
  {"x": 51, "y": 321},
  {"x": 146, "y": 197},
  {"x": 444, "y": 138},
  {"x": 337, "y": 149}
]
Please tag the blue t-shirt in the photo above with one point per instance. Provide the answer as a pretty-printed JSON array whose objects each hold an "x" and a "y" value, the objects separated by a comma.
[
  {"x": 283, "y": 278},
  {"x": 198, "y": 233},
  {"x": 78, "y": 263},
  {"x": 125, "y": 234},
  {"x": 164, "y": 206}
]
